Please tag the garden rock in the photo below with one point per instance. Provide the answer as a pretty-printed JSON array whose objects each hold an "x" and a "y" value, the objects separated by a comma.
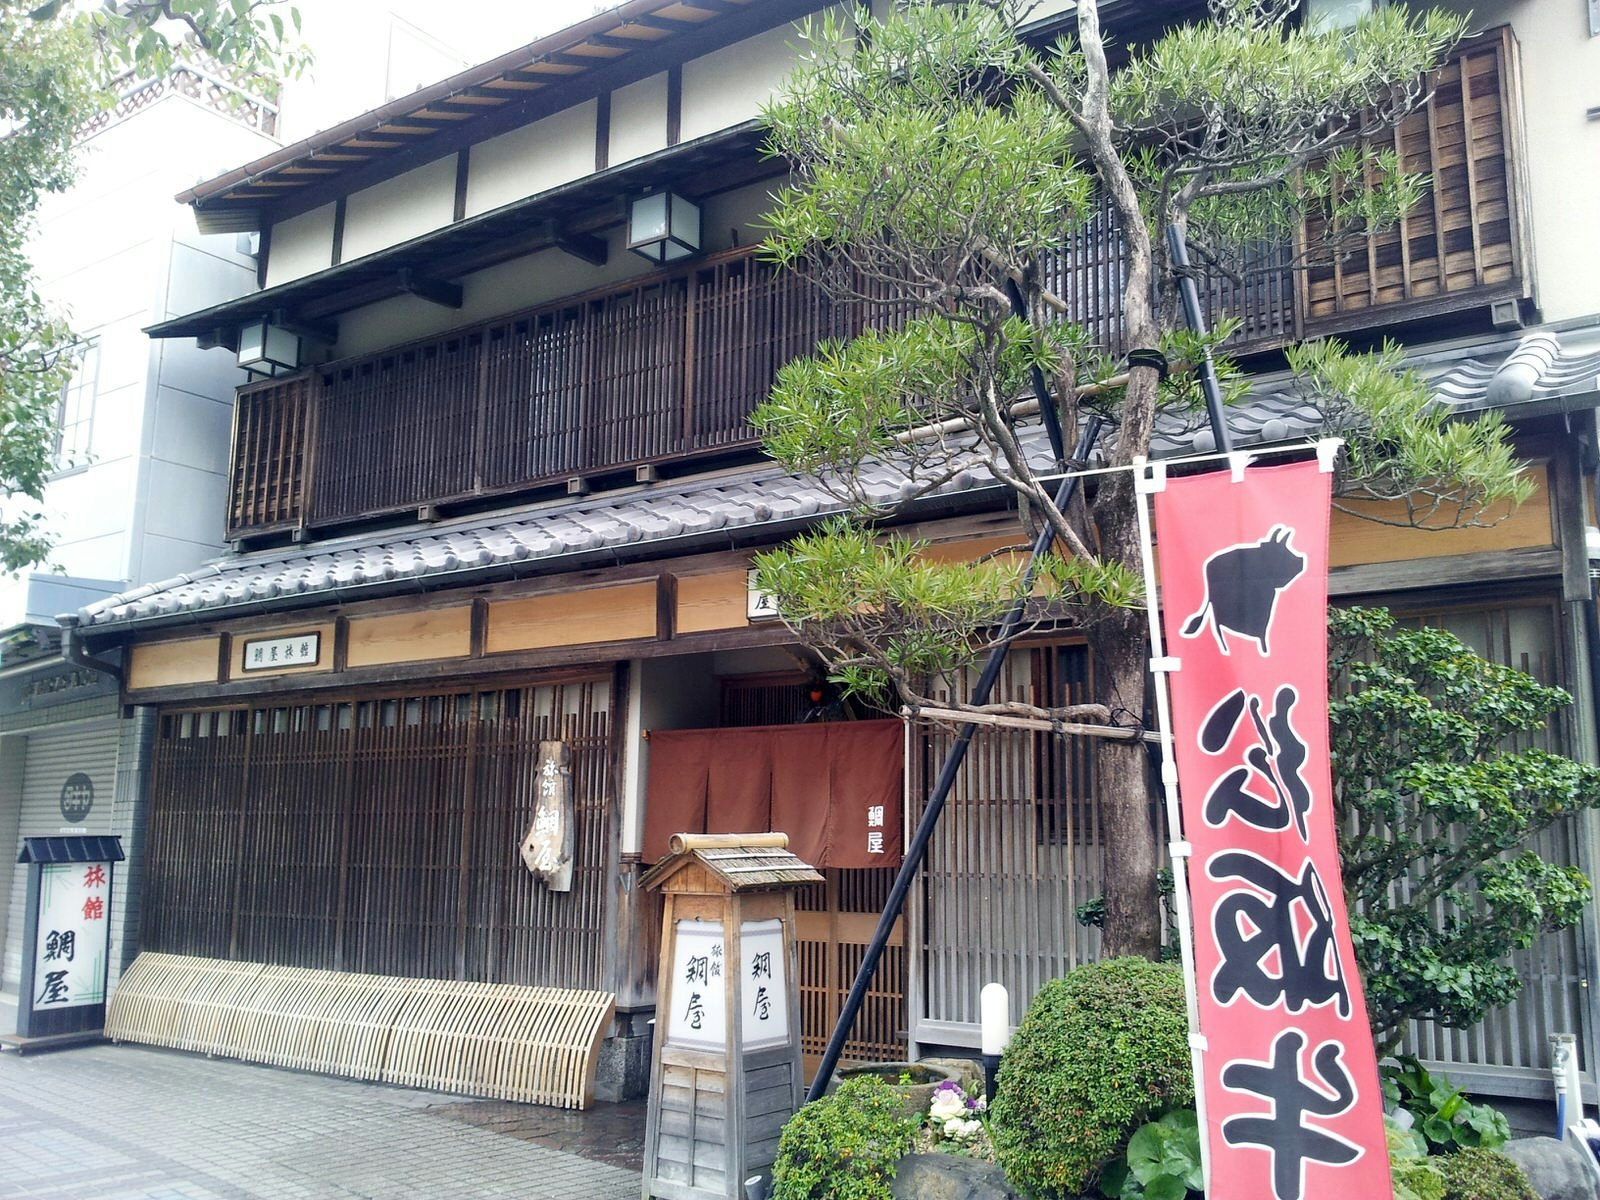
[
  {"x": 1554, "y": 1169},
  {"x": 949, "y": 1177}
]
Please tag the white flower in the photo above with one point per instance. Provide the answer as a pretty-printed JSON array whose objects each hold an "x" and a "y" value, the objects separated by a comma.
[
  {"x": 970, "y": 1129},
  {"x": 953, "y": 1127},
  {"x": 948, "y": 1104}
]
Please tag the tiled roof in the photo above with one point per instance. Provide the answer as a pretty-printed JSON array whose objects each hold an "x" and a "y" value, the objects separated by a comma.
[{"x": 758, "y": 504}]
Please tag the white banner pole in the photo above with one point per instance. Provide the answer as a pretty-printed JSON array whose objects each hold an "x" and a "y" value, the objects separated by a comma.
[{"x": 1152, "y": 478}]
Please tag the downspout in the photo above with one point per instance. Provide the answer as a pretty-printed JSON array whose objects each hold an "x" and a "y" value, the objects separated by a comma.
[
  {"x": 1591, "y": 618},
  {"x": 72, "y": 649}
]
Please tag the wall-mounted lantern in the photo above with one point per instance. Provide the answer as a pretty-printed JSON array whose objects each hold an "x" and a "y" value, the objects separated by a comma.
[
  {"x": 663, "y": 227},
  {"x": 268, "y": 349}
]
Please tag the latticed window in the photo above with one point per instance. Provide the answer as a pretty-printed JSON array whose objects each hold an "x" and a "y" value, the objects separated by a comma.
[{"x": 75, "y": 414}]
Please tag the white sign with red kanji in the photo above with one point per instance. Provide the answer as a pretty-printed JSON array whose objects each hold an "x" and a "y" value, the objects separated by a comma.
[{"x": 74, "y": 935}]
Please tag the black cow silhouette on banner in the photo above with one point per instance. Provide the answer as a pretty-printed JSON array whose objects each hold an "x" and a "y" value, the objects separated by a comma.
[{"x": 1242, "y": 586}]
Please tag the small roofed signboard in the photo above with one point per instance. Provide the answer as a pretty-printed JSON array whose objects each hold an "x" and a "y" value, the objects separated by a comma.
[
  {"x": 726, "y": 1070},
  {"x": 547, "y": 847},
  {"x": 67, "y": 934}
]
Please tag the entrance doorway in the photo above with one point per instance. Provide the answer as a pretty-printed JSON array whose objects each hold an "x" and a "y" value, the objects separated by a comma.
[{"x": 835, "y": 919}]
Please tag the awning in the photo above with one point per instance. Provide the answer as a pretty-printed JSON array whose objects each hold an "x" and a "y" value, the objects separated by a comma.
[
  {"x": 837, "y": 789},
  {"x": 90, "y": 849}
]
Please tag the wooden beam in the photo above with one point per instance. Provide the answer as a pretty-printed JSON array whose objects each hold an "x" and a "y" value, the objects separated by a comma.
[
  {"x": 592, "y": 250},
  {"x": 602, "y": 132},
  {"x": 435, "y": 291},
  {"x": 463, "y": 167},
  {"x": 339, "y": 208},
  {"x": 665, "y": 24},
  {"x": 674, "y": 105}
]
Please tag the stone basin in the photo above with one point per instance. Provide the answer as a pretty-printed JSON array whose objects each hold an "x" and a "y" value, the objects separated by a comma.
[{"x": 916, "y": 1094}]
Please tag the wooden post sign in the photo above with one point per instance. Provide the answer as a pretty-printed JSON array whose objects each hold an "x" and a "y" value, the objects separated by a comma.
[
  {"x": 726, "y": 1073},
  {"x": 547, "y": 848}
]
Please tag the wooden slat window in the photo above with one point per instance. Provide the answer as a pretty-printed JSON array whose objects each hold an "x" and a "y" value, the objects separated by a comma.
[
  {"x": 1017, "y": 850},
  {"x": 380, "y": 835},
  {"x": 271, "y": 432},
  {"x": 1462, "y": 244}
]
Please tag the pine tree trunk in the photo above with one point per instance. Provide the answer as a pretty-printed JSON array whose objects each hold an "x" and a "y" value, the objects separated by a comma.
[
  {"x": 1120, "y": 642},
  {"x": 1122, "y": 790}
]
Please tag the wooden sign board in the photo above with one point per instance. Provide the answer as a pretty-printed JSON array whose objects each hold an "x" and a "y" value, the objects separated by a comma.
[
  {"x": 548, "y": 846},
  {"x": 291, "y": 650}
]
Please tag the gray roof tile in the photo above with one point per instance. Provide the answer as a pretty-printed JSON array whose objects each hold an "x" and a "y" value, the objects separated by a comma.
[{"x": 1510, "y": 373}]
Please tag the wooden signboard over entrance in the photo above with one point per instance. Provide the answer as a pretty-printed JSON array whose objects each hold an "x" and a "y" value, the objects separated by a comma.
[{"x": 547, "y": 847}]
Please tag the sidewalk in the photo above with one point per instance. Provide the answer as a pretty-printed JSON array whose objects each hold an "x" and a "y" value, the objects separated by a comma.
[{"x": 133, "y": 1123}]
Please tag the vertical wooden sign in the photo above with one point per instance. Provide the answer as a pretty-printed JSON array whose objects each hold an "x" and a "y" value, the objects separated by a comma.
[{"x": 547, "y": 847}]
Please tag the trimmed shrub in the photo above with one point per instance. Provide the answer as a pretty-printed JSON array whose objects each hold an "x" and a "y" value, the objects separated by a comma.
[
  {"x": 1483, "y": 1175},
  {"x": 1099, "y": 1053},
  {"x": 844, "y": 1146},
  {"x": 1414, "y": 1175}
]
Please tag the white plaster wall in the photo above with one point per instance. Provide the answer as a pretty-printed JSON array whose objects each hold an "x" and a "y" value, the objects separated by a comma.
[
  {"x": 1040, "y": 9},
  {"x": 1560, "y": 80},
  {"x": 524, "y": 162},
  {"x": 638, "y": 120},
  {"x": 301, "y": 245},
  {"x": 730, "y": 85},
  {"x": 537, "y": 279},
  {"x": 399, "y": 209}
]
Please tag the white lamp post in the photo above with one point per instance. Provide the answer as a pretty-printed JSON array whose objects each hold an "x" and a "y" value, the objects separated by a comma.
[{"x": 994, "y": 1013}]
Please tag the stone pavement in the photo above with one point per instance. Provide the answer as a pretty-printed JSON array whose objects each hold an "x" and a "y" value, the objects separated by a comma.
[{"x": 130, "y": 1122}]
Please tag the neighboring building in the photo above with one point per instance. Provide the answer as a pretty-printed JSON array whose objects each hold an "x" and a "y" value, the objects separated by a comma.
[
  {"x": 496, "y": 486},
  {"x": 142, "y": 455}
]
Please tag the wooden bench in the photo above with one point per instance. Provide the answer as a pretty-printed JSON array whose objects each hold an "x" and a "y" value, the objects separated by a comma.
[{"x": 539, "y": 1045}]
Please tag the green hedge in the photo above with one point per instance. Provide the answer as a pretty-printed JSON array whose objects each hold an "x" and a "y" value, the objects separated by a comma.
[
  {"x": 1100, "y": 1052},
  {"x": 844, "y": 1146},
  {"x": 1483, "y": 1175}
]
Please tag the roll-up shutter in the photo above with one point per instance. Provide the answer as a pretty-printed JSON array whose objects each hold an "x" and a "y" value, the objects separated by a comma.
[{"x": 53, "y": 760}]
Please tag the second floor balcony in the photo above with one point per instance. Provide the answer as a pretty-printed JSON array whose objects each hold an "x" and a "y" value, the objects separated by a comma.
[{"x": 666, "y": 370}]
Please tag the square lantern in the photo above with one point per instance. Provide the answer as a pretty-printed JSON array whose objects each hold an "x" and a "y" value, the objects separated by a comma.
[
  {"x": 663, "y": 227},
  {"x": 268, "y": 349}
]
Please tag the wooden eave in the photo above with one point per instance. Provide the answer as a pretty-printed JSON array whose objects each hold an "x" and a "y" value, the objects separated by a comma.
[
  {"x": 610, "y": 50},
  {"x": 707, "y": 165},
  {"x": 736, "y": 868}
]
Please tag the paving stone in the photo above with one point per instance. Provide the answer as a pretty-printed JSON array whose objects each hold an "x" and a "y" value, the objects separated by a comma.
[{"x": 134, "y": 1123}]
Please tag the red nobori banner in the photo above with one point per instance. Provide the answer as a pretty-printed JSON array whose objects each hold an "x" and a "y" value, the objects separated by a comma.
[{"x": 1293, "y": 1106}]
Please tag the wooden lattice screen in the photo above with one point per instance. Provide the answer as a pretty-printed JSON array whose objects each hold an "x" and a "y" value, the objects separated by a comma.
[
  {"x": 1018, "y": 849},
  {"x": 271, "y": 427},
  {"x": 380, "y": 835},
  {"x": 1464, "y": 241}
]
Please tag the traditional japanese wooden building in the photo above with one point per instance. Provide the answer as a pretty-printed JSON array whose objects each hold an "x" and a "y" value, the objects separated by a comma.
[{"x": 495, "y": 487}]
